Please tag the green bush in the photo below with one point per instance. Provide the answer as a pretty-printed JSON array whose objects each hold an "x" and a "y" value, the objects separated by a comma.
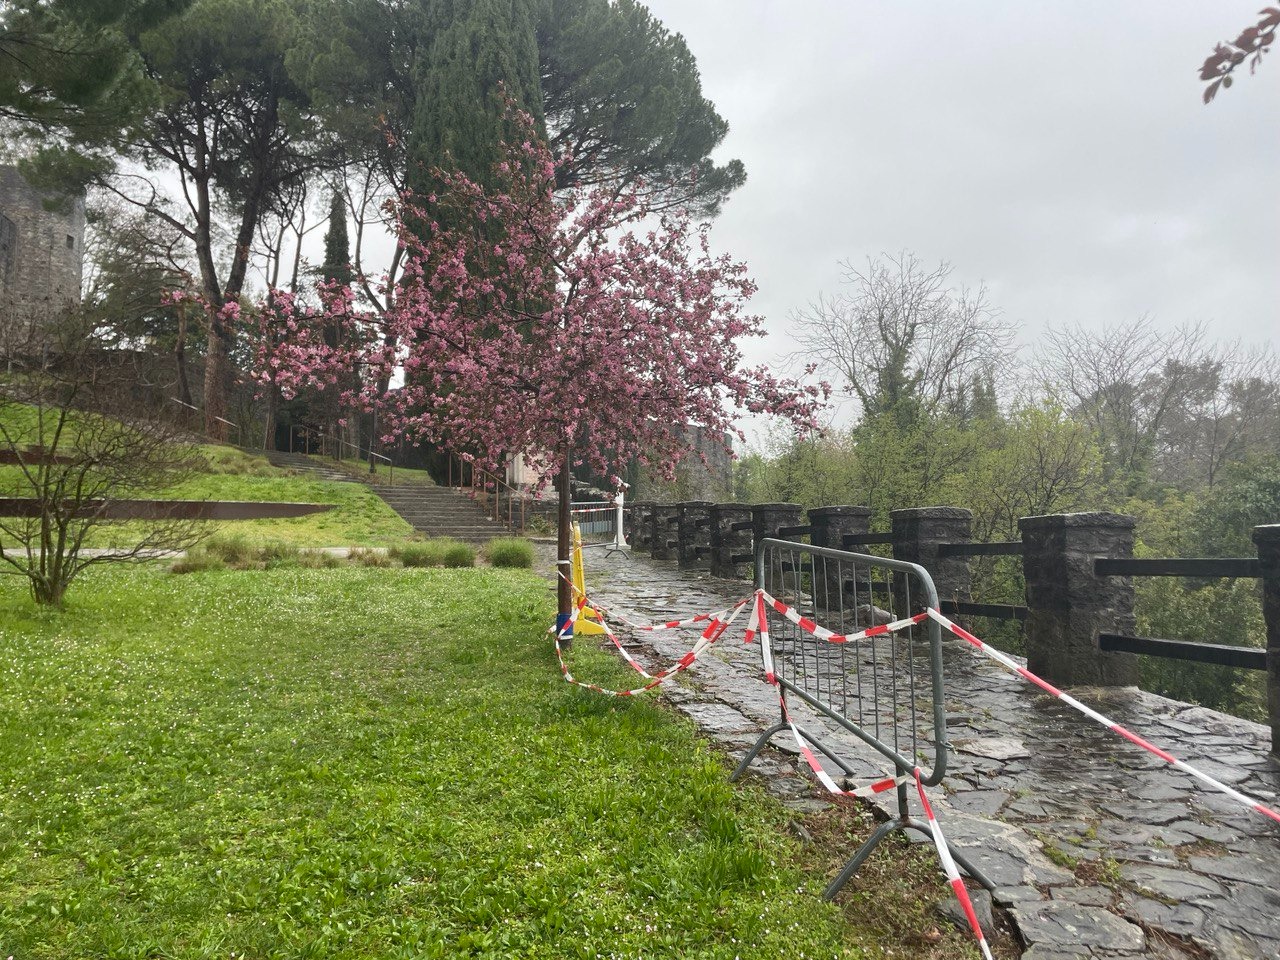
[
  {"x": 279, "y": 555},
  {"x": 510, "y": 552},
  {"x": 458, "y": 554},
  {"x": 234, "y": 550},
  {"x": 317, "y": 560},
  {"x": 366, "y": 557},
  {"x": 429, "y": 553},
  {"x": 197, "y": 560}
]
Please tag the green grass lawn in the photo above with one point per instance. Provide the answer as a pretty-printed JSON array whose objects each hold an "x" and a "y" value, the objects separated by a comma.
[
  {"x": 363, "y": 763},
  {"x": 360, "y": 517}
]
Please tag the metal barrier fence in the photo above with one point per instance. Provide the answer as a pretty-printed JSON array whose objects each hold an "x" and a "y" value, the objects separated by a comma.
[
  {"x": 596, "y": 519},
  {"x": 886, "y": 690}
]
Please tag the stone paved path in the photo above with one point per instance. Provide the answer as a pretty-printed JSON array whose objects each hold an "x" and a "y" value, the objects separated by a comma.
[{"x": 1096, "y": 848}]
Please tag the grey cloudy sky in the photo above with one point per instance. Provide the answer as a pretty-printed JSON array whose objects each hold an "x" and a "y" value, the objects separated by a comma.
[{"x": 1057, "y": 151}]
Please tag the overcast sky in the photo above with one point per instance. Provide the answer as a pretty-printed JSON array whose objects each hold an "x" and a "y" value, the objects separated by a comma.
[{"x": 1058, "y": 151}]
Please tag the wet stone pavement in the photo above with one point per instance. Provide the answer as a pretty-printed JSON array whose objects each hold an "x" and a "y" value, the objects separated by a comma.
[{"x": 1096, "y": 847}]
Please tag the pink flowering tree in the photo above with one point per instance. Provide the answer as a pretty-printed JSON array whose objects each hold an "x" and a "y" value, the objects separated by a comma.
[
  {"x": 572, "y": 328},
  {"x": 301, "y": 349}
]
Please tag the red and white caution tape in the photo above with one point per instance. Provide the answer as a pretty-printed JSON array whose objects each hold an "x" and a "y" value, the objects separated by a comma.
[
  {"x": 760, "y": 621},
  {"x": 1009, "y": 663},
  {"x": 949, "y": 867},
  {"x": 714, "y": 631},
  {"x": 822, "y": 633},
  {"x": 760, "y": 624}
]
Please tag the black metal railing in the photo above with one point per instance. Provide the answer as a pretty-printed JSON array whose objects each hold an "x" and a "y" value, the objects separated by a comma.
[{"x": 1225, "y": 655}]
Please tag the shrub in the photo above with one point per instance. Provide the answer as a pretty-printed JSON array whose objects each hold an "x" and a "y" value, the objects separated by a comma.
[
  {"x": 318, "y": 560},
  {"x": 233, "y": 549},
  {"x": 510, "y": 552},
  {"x": 197, "y": 560},
  {"x": 429, "y": 553},
  {"x": 278, "y": 555},
  {"x": 458, "y": 554},
  {"x": 366, "y": 557}
]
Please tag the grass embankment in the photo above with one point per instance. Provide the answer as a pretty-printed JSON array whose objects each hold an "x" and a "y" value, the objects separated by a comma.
[
  {"x": 362, "y": 763},
  {"x": 359, "y": 518}
]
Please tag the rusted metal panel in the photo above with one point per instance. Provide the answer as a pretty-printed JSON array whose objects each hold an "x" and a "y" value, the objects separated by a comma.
[
  {"x": 32, "y": 456},
  {"x": 172, "y": 509}
]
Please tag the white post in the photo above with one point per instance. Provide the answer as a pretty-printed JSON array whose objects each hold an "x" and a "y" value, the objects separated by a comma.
[{"x": 619, "y": 538}]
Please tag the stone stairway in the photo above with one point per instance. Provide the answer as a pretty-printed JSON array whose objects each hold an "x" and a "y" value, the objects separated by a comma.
[
  {"x": 301, "y": 463},
  {"x": 435, "y": 511},
  {"x": 441, "y": 512}
]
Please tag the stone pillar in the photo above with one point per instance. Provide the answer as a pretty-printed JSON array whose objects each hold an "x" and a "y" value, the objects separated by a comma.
[
  {"x": 1268, "y": 542},
  {"x": 693, "y": 534},
  {"x": 641, "y": 526},
  {"x": 726, "y": 542},
  {"x": 830, "y": 526},
  {"x": 663, "y": 545},
  {"x": 1069, "y": 605},
  {"x": 768, "y": 518},
  {"x": 916, "y": 535}
]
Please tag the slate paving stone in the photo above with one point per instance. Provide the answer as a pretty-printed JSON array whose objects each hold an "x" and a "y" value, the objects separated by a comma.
[
  {"x": 1088, "y": 896},
  {"x": 1243, "y": 869},
  {"x": 950, "y": 909},
  {"x": 1029, "y": 767},
  {"x": 1060, "y": 924},
  {"x": 1171, "y": 884},
  {"x": 1214, "y": 832},
  {"x": 1150, "y": 813},
  {"x": 1179, "y": 919},
  {"x": 1008, "y": 896},
  {"x": 992, "y": 748},
  {"x": 717, "y": 718},
  {"x": 981, "y": 802},
  {"x": 1228, "y": 944}
]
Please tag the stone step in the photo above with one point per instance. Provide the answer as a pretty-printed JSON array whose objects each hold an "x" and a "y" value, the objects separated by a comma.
[{"x": 435, "y": 511}]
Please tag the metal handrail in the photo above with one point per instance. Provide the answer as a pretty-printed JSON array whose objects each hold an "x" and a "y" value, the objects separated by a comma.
[
  {"x": 364, "y": 454},
  {"x": 233, "y": 426},
  {"x": 478, "y": 489},
  {"x": 192, "y": 407}
]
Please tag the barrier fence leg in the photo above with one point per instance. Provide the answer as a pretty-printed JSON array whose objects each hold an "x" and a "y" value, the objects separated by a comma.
[
  {"x": 755, "y": 750},
  {"x": 857, "y": 859},
  {"x": 903, "y": 823},
  {"x": 825, "y": 750}
]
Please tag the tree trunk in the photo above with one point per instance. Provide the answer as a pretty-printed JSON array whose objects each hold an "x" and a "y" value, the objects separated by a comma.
[
  {"x": 269, "y": 431},
  {"x": 180, "y": 358},
  {"x": 564, "y": 592},
  {"x": 216, "y": 380}
]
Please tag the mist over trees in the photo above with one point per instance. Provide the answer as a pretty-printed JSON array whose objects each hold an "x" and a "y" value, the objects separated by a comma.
[{"x": 1172, "y": 426}]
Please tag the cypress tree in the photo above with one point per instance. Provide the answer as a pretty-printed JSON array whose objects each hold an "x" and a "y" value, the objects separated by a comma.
[
  {"x": 337, "y": 245},
  {"x": 476, "y": 50}
]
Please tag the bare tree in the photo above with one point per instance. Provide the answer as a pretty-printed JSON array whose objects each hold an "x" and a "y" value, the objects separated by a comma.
[
  {"x": 1125, "y": 382},
  {"x": 902, "y": 337},
  {"x": 1231, "y": 407},
  {"x": 74, "y": 463}
]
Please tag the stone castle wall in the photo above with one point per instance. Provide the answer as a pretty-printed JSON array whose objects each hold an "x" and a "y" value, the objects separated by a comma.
[
  {"x": 695, "y": 480},
  {"x": 41, "y": 254}
]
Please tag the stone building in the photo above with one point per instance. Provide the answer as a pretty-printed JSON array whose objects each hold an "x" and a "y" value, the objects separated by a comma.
[{"x": 41, "y": 255}]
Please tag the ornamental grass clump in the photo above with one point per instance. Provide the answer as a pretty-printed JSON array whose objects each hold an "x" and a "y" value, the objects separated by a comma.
[
  {"x": 510, "y": 552},
  {"x": 429, "y": 553},
  {"x": 366, "y": 557},
  {"x": 458, "y": 554}
]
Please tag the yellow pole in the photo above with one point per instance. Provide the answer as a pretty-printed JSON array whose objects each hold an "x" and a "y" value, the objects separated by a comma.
[{"x": 589, "y": 620}]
